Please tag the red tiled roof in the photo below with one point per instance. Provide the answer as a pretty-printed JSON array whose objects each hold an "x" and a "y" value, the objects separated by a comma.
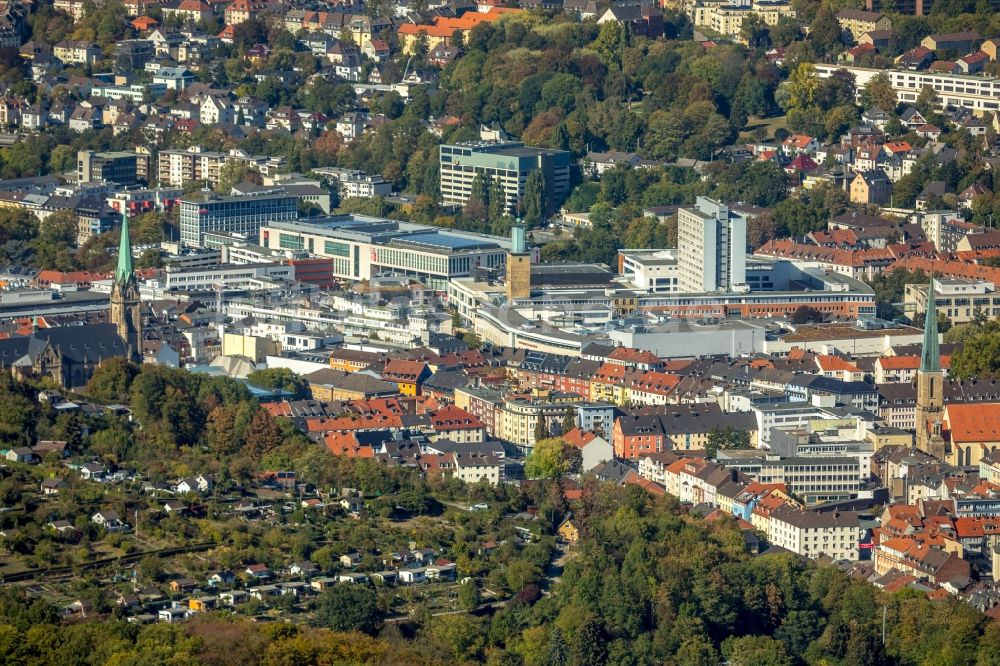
[
  {"x": 949, "y": 268},
  {"x": 346, "y": 444},
  {"x": 976, "y": 57},
  {"x": 789, "y": 249},
  {"x": 611, "y": 373},
  {"x": 802, "y": 162},
  {"x": 897, "y": 147},
  {"x": 351, "y": 423},
  {"x": 978, "y": 422},
  {"x": 454, "y": 418},
  {"x": 630, "y": 355},
  {"x": 836, "y": 237},
  {"x": 579, "y": 438},
  {"x": 651, "y": 486},
  {"x": 144, "y": 23},
  {"x": 652, "y": 381},
  {"x": 907, "y": 362},
  {"x": 861, "y": 49},
  {"x": 798, "y": 141},
  {"x": 899, "y": 362},
  {"x": 48, "y": 277},
  {"x": 830, "y": 363},
  {"x": 402, "y": 370}
]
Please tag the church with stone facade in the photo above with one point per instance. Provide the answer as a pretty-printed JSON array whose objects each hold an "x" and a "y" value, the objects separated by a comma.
[{"x": 70, "y": 354}]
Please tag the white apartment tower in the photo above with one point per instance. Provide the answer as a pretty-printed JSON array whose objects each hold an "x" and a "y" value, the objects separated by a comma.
[{"x": 712, "y": 247}]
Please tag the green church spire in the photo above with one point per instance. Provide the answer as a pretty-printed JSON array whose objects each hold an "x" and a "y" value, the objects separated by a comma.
[
  {"x": 125, "y": 270},
  {"x": 930, "y": 356}
]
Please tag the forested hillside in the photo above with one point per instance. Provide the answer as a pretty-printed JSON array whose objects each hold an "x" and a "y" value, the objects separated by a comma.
[{"x": 645, "y": 585}]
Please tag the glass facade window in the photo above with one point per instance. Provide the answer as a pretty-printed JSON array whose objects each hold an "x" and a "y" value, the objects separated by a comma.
[
  {"x": 290, "y": 242},
  {"x": 335, "y": 249}
]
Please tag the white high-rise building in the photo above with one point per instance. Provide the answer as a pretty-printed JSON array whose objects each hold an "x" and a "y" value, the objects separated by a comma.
[{"x": 712, "y": 247}]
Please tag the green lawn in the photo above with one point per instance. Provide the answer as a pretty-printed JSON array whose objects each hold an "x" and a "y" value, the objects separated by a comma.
[{"x": 770, "y": 125}]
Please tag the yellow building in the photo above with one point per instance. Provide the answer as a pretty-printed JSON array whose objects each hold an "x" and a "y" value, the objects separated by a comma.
[
  {"x": 203, "y": 604},
  {"x": 568, "y": 530},
  {"x": 606, "y": 392},
  {"x": 882, "y": 437},
  {"x": 363, "y": 29},
  {"x": 252, "y": 347},
  {"x": 726, "y": 20},
  {"x": 518, "y": 418},
  {"x": 444, "y": 28},
  {"x": 609, "y": 384},
  {"x": 858, "y": 22},
  {"x": 331, "y": 384},
  {"x": 352, "y": 360},
  {"x": 409, "y": 376},
  {"x": 871, "y": 187}
]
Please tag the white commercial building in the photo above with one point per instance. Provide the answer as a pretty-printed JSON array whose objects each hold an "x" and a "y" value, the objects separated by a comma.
[
  {"x": 653, "y": 271},
  {"x": 979, "y": 93},
  {"x": 833, "y": 534},
  {"x": 712, "y": 243},
  {"x": 353, "y": 183},
  {"x": 226, "y": 275},
  {"x": 363, "y": 247}
]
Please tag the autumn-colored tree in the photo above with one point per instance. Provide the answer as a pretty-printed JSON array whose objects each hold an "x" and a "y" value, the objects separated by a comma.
[
  {"x": 220, "y": 430},
  {"x": 541, "y": 129},
  {"x": 326, "y": 148},
  {"x": 262, "y": 435}
]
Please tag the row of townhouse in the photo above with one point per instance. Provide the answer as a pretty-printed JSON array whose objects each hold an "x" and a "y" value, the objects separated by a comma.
[
  {"x": 181, "y": 167},
  {"x": 765, "y": 507},
  {"x": 611, "y": 380},
  {"x": 858, "y": 264},
  {"x": 677, "y": 428}
]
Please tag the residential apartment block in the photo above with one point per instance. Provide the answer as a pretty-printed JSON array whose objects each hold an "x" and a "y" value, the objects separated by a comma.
[
  {"x": 114, "y": 167},
  {"x": 859, "y": 21},
  {"x": 816, "y": 479},
  {"x": 960, "y": 300},
  {"x": 834, "y": 534},
  {"x": 181, "y": 167},
  {"x": 508, "y": 162},
  {"x": 726, "y": 18},
  {"x": 712, "y": 247},
  {"x": 979, "y": 93}
]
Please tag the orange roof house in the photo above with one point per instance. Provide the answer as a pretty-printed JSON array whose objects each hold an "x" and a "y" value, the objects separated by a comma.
[
  {"x": 346, "y": 444},
  {"x": 454, "y": 423},
  {"x": 798, "y": 142},
  {"x": 240, "y": 11},
  {"x": 144, "y": 23},
  {"x": 836, "y": 364},
  {"x": 640, "y": 358},
  {"x": 277, "y": 409},
  {"x": 658, "y": 383},
  {"x": 610, "y": 373},
  {"x": 84, "y": 279},
  {"x": 354, "y": 423},
  {"x": 454, "y": 418},
  {"x": 578, "y": 438},
  {"x": 196, "y": 10},
  {"x": 441, "y": 32},
  {"x": 408, "y": 375}
]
